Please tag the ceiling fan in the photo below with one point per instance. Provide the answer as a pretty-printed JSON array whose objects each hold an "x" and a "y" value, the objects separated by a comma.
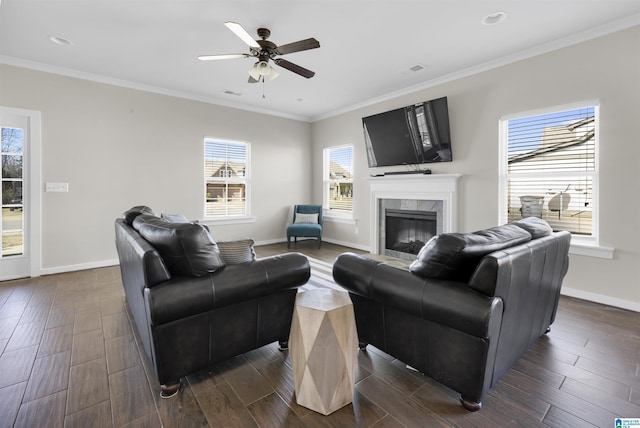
[{"x": 265, "y": 50}]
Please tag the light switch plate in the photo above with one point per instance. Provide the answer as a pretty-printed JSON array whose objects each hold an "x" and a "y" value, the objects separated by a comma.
[{"x": 56, "y": 187}]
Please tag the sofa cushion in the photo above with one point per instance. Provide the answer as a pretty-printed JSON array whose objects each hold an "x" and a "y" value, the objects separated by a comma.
[
  {"x": 174, "y": 218},
  {"x": 186, "y": 248},
  {"x": 239, "y": 251},
  {"x": 455, "y": 256},
  {"x": 537, "y": 227},
  {"x": 131, "y": 214}
]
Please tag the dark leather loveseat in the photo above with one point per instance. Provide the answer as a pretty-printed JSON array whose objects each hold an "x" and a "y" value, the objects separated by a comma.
[
  {"x": 196, "y": 302},
  {"x": 467, "y": 308}
]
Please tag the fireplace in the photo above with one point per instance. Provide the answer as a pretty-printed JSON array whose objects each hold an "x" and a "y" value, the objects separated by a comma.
[
  {"x": 406, "y": 225},
  {"x": 406, "y": 231},
  {"x": 410, "y": 210}
]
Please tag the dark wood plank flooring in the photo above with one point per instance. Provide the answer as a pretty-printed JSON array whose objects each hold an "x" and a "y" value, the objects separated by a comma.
[{"x": 69, "y": 357}]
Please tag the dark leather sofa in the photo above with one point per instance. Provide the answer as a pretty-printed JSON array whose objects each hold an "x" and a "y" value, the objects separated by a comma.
[
  {"x": 467, "y": 308},
  {"x": 193, "y": 310}
]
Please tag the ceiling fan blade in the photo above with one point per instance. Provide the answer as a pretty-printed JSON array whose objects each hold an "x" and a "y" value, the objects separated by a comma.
[
  {"x": 242, "y": 33},
  {"x": 294, "y": 67},
  {"x": 298, "y": 46},
  {"x": 223, "y": 56},
  {"x": 252, "y": 80}
]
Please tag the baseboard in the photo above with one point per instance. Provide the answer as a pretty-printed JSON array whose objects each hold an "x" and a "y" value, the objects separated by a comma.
[
  {"x": 599, "y": 298},
  {"x": 270, "y": 241},
  {"x": 81, "y": 266},
  {"x": 348, "y": 244},
  {"x": 571, "y": 292}
]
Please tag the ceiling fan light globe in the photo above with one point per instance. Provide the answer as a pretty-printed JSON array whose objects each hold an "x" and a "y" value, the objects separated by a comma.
[
  {"x": 263, "y": 68},
  {"x": 254, "y": 72},
  {"x": 272, "y": 74}
]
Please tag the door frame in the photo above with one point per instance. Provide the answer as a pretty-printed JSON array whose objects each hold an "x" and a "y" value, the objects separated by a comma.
[{"x": 33, "y": 167}]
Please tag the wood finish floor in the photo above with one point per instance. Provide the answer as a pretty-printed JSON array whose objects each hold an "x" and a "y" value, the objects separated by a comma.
[{"x": 69, "y": 357}]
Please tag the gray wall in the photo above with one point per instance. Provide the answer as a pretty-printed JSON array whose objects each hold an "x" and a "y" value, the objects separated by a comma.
[
  {"x": 606, "y": 69},
  {"x": 119, "y": 147}
]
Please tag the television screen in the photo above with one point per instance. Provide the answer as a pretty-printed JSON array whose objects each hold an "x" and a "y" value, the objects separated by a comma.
[{"x": 410, "y": 135}]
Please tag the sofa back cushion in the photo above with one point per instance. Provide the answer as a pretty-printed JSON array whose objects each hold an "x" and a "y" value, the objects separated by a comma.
[
  {"x": 535, "y": 226},
  {"x": 131, "y": 214},
  {"x": 454, "y": 256},
  {"x": 186, "y": 248}
]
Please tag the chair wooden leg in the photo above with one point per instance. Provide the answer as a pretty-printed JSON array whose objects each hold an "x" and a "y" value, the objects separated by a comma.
[{"x": 288, "y": 242}]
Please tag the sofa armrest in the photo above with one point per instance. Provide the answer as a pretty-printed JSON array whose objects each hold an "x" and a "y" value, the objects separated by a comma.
[
  {"x": 449, "y": 303},
  {"x": 184, "y": 296}
]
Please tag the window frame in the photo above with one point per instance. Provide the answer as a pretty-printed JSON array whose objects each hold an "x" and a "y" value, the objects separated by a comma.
[
  {"x": 580, "y": 244},
  {"x": 246, "y": 181},
  {"x": 333, "y": 214}
]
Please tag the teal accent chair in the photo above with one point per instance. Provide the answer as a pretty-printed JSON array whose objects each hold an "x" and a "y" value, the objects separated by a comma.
[{"x": 305, "y": 227}]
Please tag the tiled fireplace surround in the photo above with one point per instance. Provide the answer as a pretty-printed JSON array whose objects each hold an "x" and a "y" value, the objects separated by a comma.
[{"x": 412, "y": 192}]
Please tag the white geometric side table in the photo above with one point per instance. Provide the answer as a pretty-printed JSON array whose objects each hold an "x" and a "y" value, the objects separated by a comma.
[{"x": 323, "y": 345}]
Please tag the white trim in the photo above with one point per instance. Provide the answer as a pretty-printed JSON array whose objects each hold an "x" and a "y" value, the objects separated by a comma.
[
  {"x": 438, "y": 187},
  {"x": 47, "y": 68},
  {"x": 34, "y": 206},
  {"x": 332, "y": 218},
  {"x": 588, "y": 246},
  {"x": 81, "y": 266},
  {"x": 246, "y": 181},
  {"x": 227, "y": 220},
  {"x": 571, "y": 40},
  {"x": 348, "y": 244},
  {"x": 601, "y": 299},
  {"x": 591, "y": 250}
]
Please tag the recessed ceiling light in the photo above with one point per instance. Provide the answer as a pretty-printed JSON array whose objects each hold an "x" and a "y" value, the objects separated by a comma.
[
  {"x": 60, "y": 41},
  {"x": 494, "y": 18}
]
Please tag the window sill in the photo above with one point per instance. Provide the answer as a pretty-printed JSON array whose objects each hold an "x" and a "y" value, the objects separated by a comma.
[
  {"x": 590, "y": 250},
  {"x": 228, "y": 220},
  {"x": 345, "y": 219}
]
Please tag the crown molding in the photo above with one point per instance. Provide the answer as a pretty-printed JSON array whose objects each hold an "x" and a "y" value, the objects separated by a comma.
[
  {"x": 573, "y": 39},
  {"x": 47, "y": 68}
]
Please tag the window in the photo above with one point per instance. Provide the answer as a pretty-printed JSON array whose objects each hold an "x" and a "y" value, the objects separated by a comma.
[
  {"x": 226, "y": 175},
  {"x": 12, "y": 223},
  {"x": 338, "y": 180},
  {"x": 550, "y": 169}
]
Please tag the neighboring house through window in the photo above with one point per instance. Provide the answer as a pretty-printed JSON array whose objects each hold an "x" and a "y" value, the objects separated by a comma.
[
  {"x": 226, "y": 175},
  {"x": 338, "y": 180},
  {"x": 549, "y": 169}
]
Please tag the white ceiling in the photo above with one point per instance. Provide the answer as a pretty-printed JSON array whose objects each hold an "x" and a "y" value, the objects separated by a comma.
[{"x": 367, "y": 46}]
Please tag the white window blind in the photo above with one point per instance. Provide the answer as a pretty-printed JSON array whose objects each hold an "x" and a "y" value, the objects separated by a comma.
[
  {"x": 338, "y": 171},
  {"x": 226, "y": 173},
  {"x": 551, "y": 168}
]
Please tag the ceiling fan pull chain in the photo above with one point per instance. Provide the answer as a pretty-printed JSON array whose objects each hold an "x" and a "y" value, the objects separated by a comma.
[{"x": 263, "y": 96}]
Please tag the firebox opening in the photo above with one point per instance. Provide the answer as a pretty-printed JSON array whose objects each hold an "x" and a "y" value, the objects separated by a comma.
[{"x": 407, "y": 231}]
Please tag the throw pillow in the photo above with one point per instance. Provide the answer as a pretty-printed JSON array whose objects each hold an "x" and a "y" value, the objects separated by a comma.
[
  {"x": 455, "y": 255},
  {"x": 131, "y": 214},
  {"x": 186, "y": 248},
  {"x": 306, "y": 218},
  {"x": 174, "y": 218},
  {"x": 537, "y": 227},
  {"x": 240, "y": 251}
]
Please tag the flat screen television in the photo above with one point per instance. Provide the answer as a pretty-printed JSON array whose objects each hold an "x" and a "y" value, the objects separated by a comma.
[{"x": 411, "y": 135}]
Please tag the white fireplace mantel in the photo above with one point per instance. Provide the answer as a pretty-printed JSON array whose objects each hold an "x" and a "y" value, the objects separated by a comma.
[{"x": 436, "y": 187}]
